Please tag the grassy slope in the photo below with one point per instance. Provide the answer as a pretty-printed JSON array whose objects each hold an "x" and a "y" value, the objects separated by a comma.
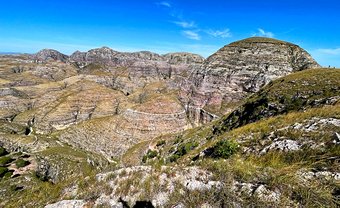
[
  {"x": 299, "y": 98},
  {"x": 293, "y": 93}
]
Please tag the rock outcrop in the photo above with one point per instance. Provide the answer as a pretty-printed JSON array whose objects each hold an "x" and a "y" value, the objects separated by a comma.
[
  {"x": 50, "y": 54},
  {"x": 183, "y": 58},
  {"x": 243, "y": 67},
  {"x": 109, "y": 57}
]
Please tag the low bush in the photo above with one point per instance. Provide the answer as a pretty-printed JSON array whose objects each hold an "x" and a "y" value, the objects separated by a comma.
[
  {"x": 224, "y": 149},
  {"x": 185, "y": 148},
  {"x": 21, "y": 163},
  {"x": 3, "y": 151},
  {"x": 182, "y": 150},
  {"x": 3, "y": 171},
  {"x": 149, "y": 155},
  {"x": 5, "y": 160}
]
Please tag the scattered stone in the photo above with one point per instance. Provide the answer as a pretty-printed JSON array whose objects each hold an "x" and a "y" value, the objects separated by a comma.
[
  {"x": 68, "y": 204},
  {"x": 267, "y": 195},
  {"x": 286, "y": 145}
]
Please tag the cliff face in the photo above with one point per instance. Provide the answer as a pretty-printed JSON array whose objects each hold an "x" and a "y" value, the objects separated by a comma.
[{"x": 243, "y": 67}]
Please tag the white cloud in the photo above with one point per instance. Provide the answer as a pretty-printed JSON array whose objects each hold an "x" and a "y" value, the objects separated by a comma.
[
  {"x": 164, "y": 3},
  {"x": 263, "y": 33},
  {"x": 220, "y": 33},
  {"x": 185, "y": 24},
  {"x": 329, "y": 51},
  {"x": 191, "y": 35}
]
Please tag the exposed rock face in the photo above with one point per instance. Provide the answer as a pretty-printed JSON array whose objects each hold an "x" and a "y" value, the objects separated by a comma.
[
  {"x": 183, "y": 58},
  {"x": 50, "y": 54},
  {"x": 199, "y": 116},
  {"x": 146, "y": 55},
  {"x": 103, "y": 55},
  {"x": 243, "y": 67},
  {"x": 107, "y": 56}
]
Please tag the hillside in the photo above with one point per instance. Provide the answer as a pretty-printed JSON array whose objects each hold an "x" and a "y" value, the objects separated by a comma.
[
  {"x": 272, "y": 157},
  {"x": 255, "y": 124}
]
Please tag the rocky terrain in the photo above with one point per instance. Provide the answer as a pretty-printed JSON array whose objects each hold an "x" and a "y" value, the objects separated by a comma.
[
  {"x": 241, "y": 68},
  {"x": 113, "y": 129}
]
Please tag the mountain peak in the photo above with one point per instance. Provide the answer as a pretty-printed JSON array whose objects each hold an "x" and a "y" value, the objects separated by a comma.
[
  {"x": 253, "y": 40},
  {"x": 50, "y": 54}
]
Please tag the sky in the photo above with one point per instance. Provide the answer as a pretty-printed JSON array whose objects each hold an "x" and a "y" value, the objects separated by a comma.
[{"x": 197, "y": 26}]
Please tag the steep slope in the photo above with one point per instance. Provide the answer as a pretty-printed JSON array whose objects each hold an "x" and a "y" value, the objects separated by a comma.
[
  {"x": 299, "y": 91},
  {"x": 243, "y": 67},
  {"x": 267, "y": 156}
]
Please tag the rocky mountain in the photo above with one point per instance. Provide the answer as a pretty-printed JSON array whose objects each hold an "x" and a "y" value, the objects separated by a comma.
[
  {"x": 183, "y": 58},
  {"x": 243, "y": 67},
  {"x": 50, "y": 54},
  {"x": 107, "y": 56},
  {"x": 113, "y": 129}
]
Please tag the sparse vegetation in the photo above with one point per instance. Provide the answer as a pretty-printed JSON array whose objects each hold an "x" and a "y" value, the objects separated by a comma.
[
  {"x": 3, "y": 171},
  {"x": 5, "y": 160},
  {"x": 224, "y": 149},
  {"x": 149, "y": 155},
  {"x": 21, "y": 163},
  {"x": 3, "y": 151},
  {"x": 160, "y": 143}
]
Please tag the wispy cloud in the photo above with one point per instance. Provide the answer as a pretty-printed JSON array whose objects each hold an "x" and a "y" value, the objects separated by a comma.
[
  {"x": 329, "y": 51},
  {"x": 193, "y": 35},
  {"x": 164, "y": 3},
  {"x": 263, "y": 33},
  {"x": 185, "y": 24},
  {"x": 327, "y": 56},
  {"x": 219, "y": 33}
]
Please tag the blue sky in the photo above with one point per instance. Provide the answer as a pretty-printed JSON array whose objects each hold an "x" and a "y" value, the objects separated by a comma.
[{"x": 197, "y": 26}]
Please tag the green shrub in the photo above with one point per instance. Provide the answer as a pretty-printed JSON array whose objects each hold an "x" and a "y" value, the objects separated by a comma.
[
  {"x": 149, "y": 155},
  {"x": 21, "y": 163},
  {"x": 185, "y": 148},
  {"x": 8, "y": 174},
  {"x": 182, "y": 149},
  {"x": 5, "y": 160},
  {"x": 3, "y": 171},
  {"x": 224, "y": 149},
  {"x": 3, "y": 151},
  {"x": 173, "y": 158},
  {"x": 178, "y": 139}
]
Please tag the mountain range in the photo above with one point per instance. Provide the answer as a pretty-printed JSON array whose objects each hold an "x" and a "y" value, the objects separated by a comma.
[{"x": 255, "y": 124}]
